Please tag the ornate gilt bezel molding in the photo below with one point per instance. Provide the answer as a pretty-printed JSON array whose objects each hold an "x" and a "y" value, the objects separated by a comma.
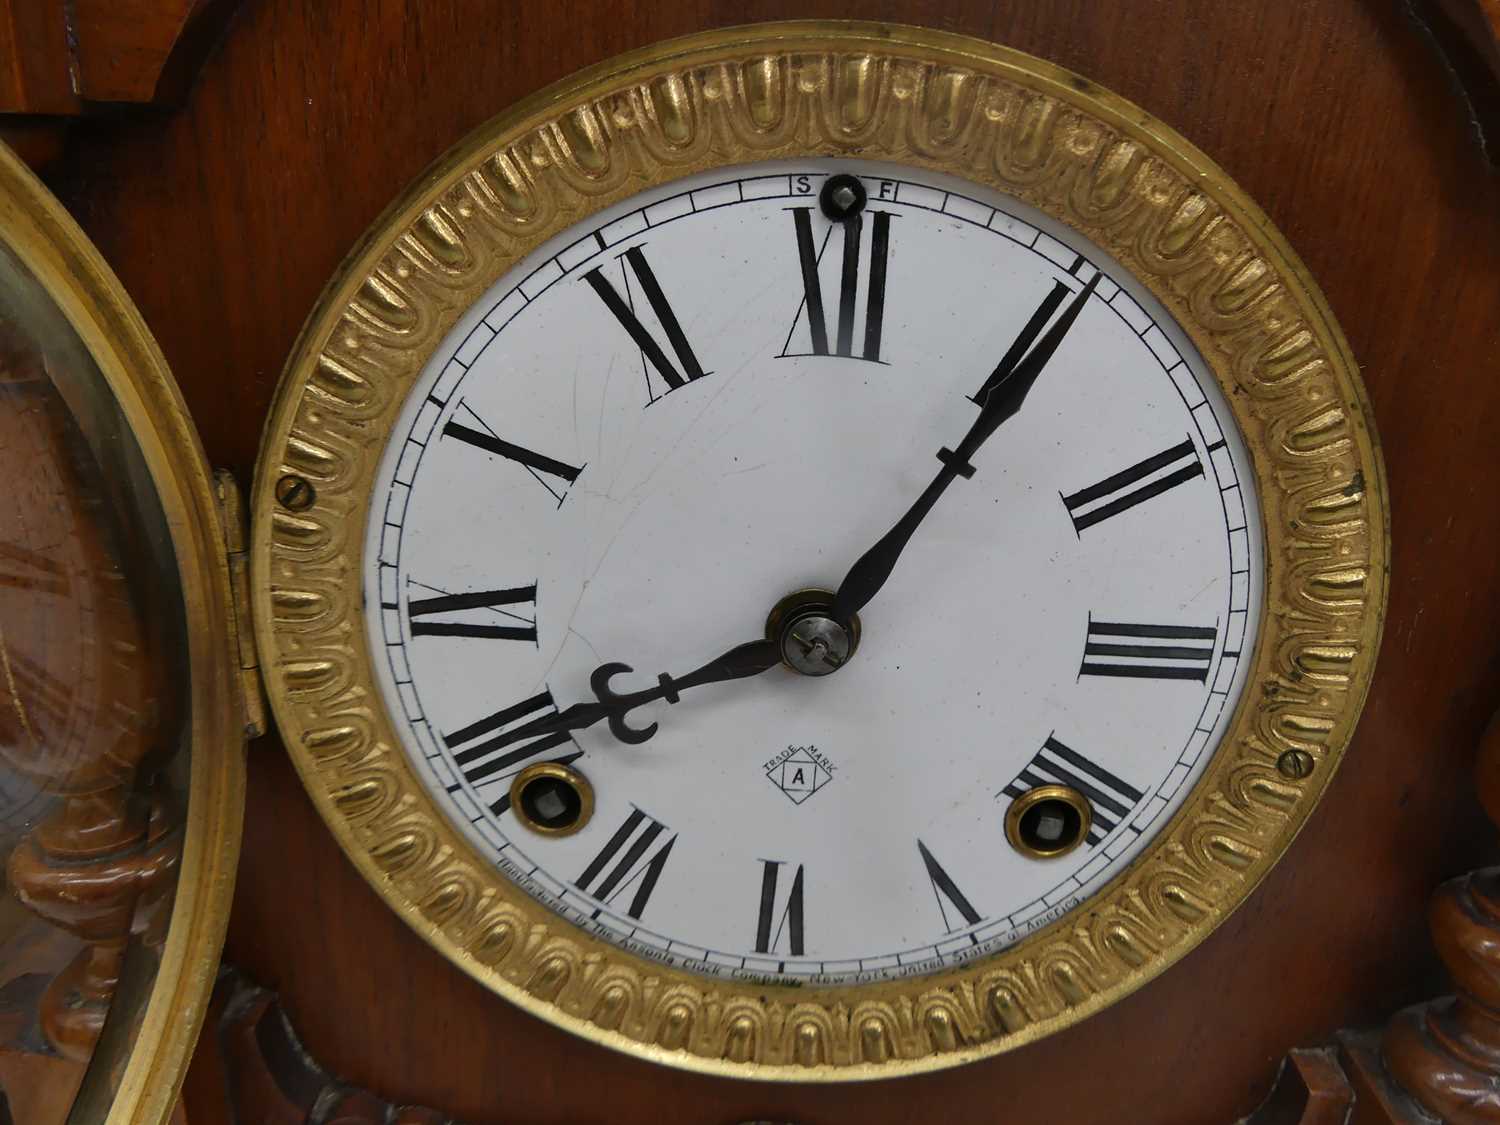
[{"x": 932, "y": 100}]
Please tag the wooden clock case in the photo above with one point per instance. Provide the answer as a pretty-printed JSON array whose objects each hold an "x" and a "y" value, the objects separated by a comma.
[{"x": 225, "y": 216}]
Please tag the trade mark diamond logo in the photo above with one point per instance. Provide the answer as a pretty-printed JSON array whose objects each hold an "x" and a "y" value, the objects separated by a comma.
[{"x": 799, "y": 772}]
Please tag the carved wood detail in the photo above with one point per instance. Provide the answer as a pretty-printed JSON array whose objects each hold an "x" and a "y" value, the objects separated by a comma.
[
  {"x": 270, "y": 1079},
  {"x": 1377, "y": 1099},
  {"x": 63, "y": 56},
  {"x": 1342, "y": 1084},
  {"x": 102, "y": 899},
  {"x": 1446, "y": 1052},
  {"x": 1438, "y": 1061},
  {"x": 260, "y": 1072},
  {"x": 1310, "y": 1089}
]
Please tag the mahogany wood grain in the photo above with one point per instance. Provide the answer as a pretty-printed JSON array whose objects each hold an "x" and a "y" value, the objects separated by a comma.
[
  {"x": 35, "y": 139},
  {"x": 35, "y": 76},
  {"x": 225, "y": 219}
]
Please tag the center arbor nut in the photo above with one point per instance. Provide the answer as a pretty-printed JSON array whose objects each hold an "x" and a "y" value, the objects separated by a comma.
[{"x": 812, "y": 641}]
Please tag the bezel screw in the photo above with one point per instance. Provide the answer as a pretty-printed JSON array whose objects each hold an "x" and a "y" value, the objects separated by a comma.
[
  {"x": 294, "y": 493},
  {"x": 1295, "y": 764}
]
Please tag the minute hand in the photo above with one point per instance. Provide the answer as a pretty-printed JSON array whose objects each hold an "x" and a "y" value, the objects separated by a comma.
[{"x": 869, "y": 573}]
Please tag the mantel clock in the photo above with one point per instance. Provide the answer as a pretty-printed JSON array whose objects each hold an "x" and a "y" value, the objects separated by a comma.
[{"x": 817, "y": 551}]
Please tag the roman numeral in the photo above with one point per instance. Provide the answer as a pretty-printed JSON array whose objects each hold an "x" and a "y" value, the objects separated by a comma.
[
  {"x": 1139, "y": 651},
  {"x": 443, "y": 604},
  {"x": 1124, "y": 490},
  {"x": 769, "y": 927},
  {"x": 809, "y": 255},
  {"x": 1023, "y": 342},
  {"x": 641, "y": 834},
  {"x": 23, "y": 569},
  {"x": 1055, "y": 764},
  {"x": 517, "y": 727},
  {"x": 687, "y": 367},
  {"x": 536, "y": 464},
  {"x": 943, "y": 887}
]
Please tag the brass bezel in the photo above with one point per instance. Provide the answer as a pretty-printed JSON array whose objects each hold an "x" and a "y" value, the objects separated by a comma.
[
  {"x": 1023, "y": 804},
  {"x": 562, "y": 773},
  {"x": 52, "y": 247},
  {"x": 932, "y": 100}
]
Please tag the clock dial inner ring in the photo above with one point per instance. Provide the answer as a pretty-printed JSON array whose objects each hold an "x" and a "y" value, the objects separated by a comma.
[{"x": 699, "y": 399}]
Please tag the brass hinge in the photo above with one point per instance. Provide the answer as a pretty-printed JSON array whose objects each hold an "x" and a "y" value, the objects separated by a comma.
[{"x": 252, "y": 690}]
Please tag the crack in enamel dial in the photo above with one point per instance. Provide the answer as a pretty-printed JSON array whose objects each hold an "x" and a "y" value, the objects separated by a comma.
[{"x": 610, "y": 385}]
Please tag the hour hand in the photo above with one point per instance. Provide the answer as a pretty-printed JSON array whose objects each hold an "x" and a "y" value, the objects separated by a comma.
[
  {"x": 738, "y": 663},
  {"x": 618, "y": 706}
]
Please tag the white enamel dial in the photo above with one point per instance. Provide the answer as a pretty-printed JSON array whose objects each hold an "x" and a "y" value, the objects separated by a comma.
[{"x": 663, "y": 422}]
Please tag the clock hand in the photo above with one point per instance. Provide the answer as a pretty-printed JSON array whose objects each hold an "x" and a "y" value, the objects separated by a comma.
[
  {"x": 870, "y": 571},
  {"x": 738, "y": 663}
]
